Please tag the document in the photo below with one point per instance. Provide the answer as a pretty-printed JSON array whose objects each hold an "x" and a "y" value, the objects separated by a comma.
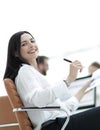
[
  {"x": 95, "y": 83},
  {"x": 96, "y": 80}
]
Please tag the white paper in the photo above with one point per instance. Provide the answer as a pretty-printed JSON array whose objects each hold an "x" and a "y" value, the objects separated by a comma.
[
  {"x": 96, "y": 80},
  {"x": 95, "y": 83}
]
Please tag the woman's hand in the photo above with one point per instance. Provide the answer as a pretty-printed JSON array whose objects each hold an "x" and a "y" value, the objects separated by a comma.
[
  {"x": 74, "y": 67},
  {"x": 79, "y": 95}
]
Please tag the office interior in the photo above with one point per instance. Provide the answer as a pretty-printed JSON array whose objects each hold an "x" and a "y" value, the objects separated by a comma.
[{"x": 62, "y": 29}]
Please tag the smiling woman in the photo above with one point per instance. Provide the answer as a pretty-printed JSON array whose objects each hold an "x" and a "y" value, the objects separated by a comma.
[
  {"x": 35, "y": 90},
  {"x": 29, "y": 48}
]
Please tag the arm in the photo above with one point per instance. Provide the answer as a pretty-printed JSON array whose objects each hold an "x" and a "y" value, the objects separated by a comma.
[
  {"x": 31, "y": 90},
  {"x": 73, "y": 102},
  {"x": 79, "y": 95},
  {"x": 35, "y": 89}
]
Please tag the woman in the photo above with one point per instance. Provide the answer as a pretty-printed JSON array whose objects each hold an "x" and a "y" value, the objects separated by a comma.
[{"x": 34, "y": 89}]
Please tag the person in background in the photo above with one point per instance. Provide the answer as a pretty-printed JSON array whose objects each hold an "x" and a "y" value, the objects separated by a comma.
[
  {"x": 94, "y": 71},
  {"x": 93, "y": 67},
  {"x": 42, "y": 63},
  {"x": 35, "y": 91}
]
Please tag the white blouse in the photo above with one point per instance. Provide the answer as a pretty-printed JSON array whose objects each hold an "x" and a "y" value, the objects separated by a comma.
[{"x": 35, "y": 90}]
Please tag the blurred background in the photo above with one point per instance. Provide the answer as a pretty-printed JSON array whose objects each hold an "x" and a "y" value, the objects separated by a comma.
[{"x": 62, "y": 29}]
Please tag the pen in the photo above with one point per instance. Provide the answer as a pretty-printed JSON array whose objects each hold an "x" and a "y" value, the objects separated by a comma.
[{"x": 67, "y": 60}]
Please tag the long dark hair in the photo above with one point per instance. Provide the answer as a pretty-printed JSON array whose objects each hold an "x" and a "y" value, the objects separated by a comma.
[{"x": 14, "y": 62}]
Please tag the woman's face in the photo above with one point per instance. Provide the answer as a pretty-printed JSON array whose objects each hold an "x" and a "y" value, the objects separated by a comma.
[{"x": 29, "y": 49}]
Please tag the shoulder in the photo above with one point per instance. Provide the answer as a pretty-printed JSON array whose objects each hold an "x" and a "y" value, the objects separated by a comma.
[
  {"x": 26, "y": 72},
  {"x": 25, "y": 69},
  {"x": 24, "y": 66}
]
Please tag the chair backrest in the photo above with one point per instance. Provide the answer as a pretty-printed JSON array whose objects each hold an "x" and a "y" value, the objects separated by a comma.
[
  {"x": 7, "y": 117},
  {"x": 22, "y": 117}
]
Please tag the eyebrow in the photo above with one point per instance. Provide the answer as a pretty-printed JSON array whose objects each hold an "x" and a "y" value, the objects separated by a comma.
[{"x": 29, "y": 39}]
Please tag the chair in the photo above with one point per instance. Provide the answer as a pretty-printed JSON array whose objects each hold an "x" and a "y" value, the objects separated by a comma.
[
  {"x": 7, "y": 117},
  {"x": 20, "y": 110}
]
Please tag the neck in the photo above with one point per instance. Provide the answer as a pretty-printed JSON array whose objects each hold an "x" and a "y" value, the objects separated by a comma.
[{"x": 34, "y": 64}]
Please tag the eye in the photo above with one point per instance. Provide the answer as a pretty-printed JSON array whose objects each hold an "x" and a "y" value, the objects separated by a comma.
[
  {"x": 33, "y": 40},
  {"x": 24, "y": 44}
]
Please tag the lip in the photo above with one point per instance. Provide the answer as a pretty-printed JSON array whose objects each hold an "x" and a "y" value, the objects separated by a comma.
[{"x": 32, "y": 51}]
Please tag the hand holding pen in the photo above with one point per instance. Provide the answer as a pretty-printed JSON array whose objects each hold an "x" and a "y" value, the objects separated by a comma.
[
  {"x": 74, "y": 67},
  {"x": 77, "y": 63}
]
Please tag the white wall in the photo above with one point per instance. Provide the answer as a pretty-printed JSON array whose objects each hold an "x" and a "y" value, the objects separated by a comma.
[{"x": 59, "y": 27}]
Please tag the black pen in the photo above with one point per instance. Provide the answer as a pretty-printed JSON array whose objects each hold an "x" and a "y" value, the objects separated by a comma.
[{"x": 67, "y": 60}]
